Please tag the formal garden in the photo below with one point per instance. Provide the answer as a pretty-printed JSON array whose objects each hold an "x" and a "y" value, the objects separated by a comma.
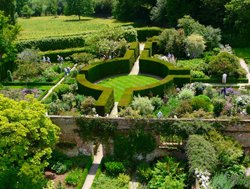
[{"x": 162, "y": 75}]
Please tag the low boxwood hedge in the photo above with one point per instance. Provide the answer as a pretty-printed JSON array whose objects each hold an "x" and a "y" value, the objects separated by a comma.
[{"x": 219, "y": 80}]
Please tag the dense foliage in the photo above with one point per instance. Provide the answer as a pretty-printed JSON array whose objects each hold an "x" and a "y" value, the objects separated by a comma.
[{"x": 28, "y": 138}]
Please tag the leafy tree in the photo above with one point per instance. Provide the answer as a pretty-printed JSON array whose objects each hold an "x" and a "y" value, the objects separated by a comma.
[
  {"x": 201, "y": 154},
  {"x": 237, "y": 18},
  {"x": 79, "y": 7},
  {"x": 133, "y": 10},
  {"x": 167, "y": 12},
  {"x": 8, "y": 7},
  {"x": 26, "y": 11},
  {"x": 27, "y": 138},
  {"x": 8, "y": 34},
  {"x": 195, "y": 45},
  {"x": 212, "y": 36},
  {"x": 172, "y": 41}
]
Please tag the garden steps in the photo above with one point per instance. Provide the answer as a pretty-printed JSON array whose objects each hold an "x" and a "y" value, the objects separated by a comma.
[
  {"x": 51, "y": 90},
  {"x": 92, "y": 172},
  {"x": 136, "y": 68},
  {"x": 133, "y": 184}
]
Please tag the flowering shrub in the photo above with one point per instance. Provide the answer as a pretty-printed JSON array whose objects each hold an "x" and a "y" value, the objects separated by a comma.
[{"x": 203, "y": 178}]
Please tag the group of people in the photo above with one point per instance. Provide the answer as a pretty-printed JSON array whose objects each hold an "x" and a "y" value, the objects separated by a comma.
[{"x": 46, "y": 59}]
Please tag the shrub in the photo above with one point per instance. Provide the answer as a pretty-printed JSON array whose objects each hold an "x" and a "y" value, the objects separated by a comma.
[
  {"x": 202, "y": 102},
  {"x": 59, "y": 168},
  {"x": 87, "y": 105},
  {"x": 114, "y": 168},
  {"x": 9, "y": 76},
  {"x": 82, "y": 57},
  {"x": 143, "y": 105},
  {"x": 197, "y": 74},
  {"x": 157, "y": 102},
  {"x": 49, "y": 75},
  {"x": 55, "y": 108},
  {"x": 201, "y": 154},
  {"x": 123, "y": 179},
  {"x": 144, "y": 172},
  {"x": 195, "y": 45},
  {"x": 225, "y": 63},
  {"x": 183, "y": 108},
  {"x": 129, "y": 112},
  {"x": 243, "y": 101},
  {"x": 61, "y": 89},
  {"x": 229, "y": 151},
  {"x": 222, "y": 181},
  {"x": 186, "y": 94},
  {"x": 210, "y": 92},
  {"x": 218, "y": 104},
  {"x": 73, "y": 177}
]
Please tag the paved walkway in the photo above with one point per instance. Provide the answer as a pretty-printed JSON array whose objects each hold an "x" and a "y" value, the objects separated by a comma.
[
  {"x": 92, "y": 172},
  {"x": 135, "y": 70},
  {"x": 245, "y": 67},
  {"x": 114, "y": 112},
  {"x": 133, "y": 184},
  {"x": 51, "y": 90}
]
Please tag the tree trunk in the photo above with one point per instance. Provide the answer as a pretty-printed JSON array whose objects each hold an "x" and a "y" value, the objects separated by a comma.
[{"x": 79, "y": 16}]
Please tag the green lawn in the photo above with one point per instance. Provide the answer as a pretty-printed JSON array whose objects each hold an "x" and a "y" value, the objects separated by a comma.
[
  {"x": 119, "y": 84},
  {"x": 37, "y": 27}
]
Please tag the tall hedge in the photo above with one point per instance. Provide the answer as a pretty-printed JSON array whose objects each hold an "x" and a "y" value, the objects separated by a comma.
[
  {"x": 45, "y": 44},
  {"x": 147, "y": 32}
]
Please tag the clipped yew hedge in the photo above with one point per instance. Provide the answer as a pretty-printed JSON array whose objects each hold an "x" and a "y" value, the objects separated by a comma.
[
  {"x": 94, "y": 72},
  {"x": 146, "y": 32},
  {"x": 103, "y": 95},
  {"x": 53, "y": 43}
]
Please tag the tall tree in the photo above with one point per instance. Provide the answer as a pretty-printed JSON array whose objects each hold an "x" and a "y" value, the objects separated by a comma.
[
  {"x": 79, "y": 7},
  {"x": 237, "y": 19},
  {"x": 27, "y": 139},
  {"x": 8, "y": 34},
  {"x": 8, "y": 6}
]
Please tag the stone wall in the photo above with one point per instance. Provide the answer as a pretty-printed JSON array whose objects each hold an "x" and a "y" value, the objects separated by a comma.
[{"x": 240, "y": 130}]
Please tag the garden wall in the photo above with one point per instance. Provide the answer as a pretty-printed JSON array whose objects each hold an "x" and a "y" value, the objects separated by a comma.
[{"x": 239, "y": 130}]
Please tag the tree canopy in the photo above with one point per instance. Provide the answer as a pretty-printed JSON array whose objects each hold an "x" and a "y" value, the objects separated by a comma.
[
  {"x": 79, "y": 7},
  {"x": 27, "y": 137}
]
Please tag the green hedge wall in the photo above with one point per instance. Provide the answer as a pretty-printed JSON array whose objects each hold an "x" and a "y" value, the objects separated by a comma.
[
  {"x": 153, "y": 66},
  {"x": 103, "y": 95},
  {"x": 149, "y": 46},
  {"x": 64, "y": 53},
  {"x": 147, "y": 32},
  {"x": 136, "y": 48},
  {"x": 46, "y": 44},
  {"x": 218, "y": 80}
]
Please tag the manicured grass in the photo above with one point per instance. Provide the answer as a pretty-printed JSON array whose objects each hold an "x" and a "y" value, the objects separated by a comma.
[
  {"x": 37, "y": 27},
  {"x": 119, "y": 84}
]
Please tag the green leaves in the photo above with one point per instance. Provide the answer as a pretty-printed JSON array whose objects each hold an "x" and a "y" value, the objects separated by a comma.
[{"x": 27, "y": 136}]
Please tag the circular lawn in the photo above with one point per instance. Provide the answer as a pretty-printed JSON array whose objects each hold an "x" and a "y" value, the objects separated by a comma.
[{"x": 120, "y": 83}]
